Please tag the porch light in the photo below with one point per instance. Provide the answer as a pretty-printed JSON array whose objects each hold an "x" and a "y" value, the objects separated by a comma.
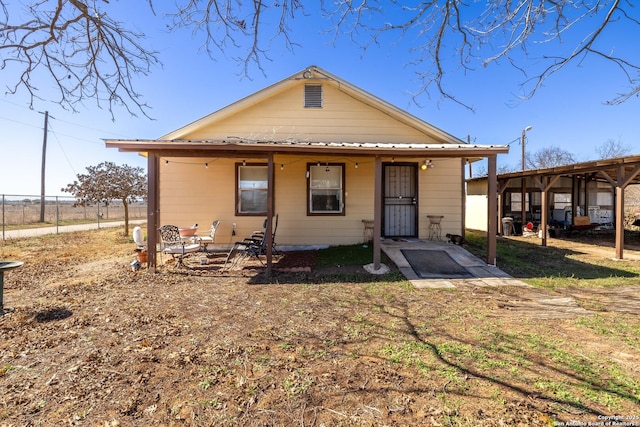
[
  {"x": 166, "y": 162},
  {"x": 206, "y": 165},
  {"x": 244, "y": 163},
  {"x": 427, "y": 164},
  {"x": 356, "y": 165},
  {"x": 281, "y": 166}
]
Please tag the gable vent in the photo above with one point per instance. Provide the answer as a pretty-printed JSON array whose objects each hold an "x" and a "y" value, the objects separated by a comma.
[{"x": 312, "y": 96}]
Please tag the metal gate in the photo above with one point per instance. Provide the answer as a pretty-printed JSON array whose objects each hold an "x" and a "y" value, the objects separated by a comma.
[{"x": 400, "y": 195}]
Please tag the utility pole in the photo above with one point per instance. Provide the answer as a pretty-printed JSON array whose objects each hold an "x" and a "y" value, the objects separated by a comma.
[{"x": 44, "y": 162}]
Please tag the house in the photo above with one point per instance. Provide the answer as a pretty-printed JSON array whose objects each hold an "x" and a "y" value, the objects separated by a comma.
[
  {"x": 319, "y": 152},
  {"x": 592, "y": 191}
]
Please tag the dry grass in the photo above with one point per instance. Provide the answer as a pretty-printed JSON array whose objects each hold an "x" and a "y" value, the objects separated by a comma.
[{"x": 93, "y": 343}]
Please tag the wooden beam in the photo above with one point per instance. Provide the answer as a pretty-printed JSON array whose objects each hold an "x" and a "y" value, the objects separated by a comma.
[
  {"x": 544, "y": 215},
  {"x": 628, "y": 178},
  {"x": 270, "y": 215},
  {"x": 619, "y": 211},
  {"x": 463, "y": 196},
  {"x": 492, "y": 210},
  {"x": 619, "y": 222},
  {"x": 502, "y": 186},
  {"x": 606, "y": 176},
  {"x": 153, "y": 196}
]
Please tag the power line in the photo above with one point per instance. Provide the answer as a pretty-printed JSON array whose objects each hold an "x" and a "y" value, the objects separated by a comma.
[{"x": 62, "y": 149}]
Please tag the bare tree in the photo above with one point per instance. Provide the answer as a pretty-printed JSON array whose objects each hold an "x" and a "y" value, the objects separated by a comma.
[
  {"x": 108, "y": 181},
  {"x": 84, "y": 53},
  {"x": 612, "y": 148},
  {"x": 549, "y": 157},
  {"x": 88, "y": 54}
]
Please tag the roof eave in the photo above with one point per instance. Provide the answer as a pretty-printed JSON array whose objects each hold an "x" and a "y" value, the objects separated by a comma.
[{"x": 196, "y": 148}]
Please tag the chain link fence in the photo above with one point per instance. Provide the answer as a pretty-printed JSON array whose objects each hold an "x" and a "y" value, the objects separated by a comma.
[{"x": 25, "y": 211}]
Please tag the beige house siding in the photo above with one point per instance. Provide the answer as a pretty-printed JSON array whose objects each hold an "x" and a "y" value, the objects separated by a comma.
[
  {"x": 283, "y": 117},
  {"x": 211, "y": 195},
  {"x": 439, "y": 194}
]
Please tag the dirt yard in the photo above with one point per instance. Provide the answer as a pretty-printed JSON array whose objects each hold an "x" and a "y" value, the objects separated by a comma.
[{"x": 93, "y": 343}]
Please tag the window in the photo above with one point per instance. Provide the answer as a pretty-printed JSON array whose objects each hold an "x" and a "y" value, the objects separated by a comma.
[
  {"x": 325, "y": 189},
  {"x": 516, "y": 199},
  {"x": 312, "y": 96},
  {"x": 251, "y": 183},
  {"x": 561, "y": 200}
]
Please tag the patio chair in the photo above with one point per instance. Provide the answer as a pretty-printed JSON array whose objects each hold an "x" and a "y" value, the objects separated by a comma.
[
  {"x": 255, "y": 245},
  {"x": 205, "y": 241},
  {"x": 174, "y": 245}
]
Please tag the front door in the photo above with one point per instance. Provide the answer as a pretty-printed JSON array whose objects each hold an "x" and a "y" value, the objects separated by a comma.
[{"x": 400, "y": 195}]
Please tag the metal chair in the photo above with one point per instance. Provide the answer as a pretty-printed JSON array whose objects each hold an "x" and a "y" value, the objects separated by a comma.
[
  {"x": 255, "y": 245},
  {"x": 205, "y": 241},
  {"x": 174, "y": 245}
]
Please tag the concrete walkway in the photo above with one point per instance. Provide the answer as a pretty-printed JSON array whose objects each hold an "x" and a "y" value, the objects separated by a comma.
[
  {"x": 41, "y": 231},
  {"x": 483, "y": 274}
]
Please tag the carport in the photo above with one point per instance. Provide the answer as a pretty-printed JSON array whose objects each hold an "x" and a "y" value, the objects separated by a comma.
[{"x": 619, "y": 173}]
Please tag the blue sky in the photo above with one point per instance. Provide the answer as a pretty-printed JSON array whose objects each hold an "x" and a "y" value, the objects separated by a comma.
[{"x": 568, "y": 112}]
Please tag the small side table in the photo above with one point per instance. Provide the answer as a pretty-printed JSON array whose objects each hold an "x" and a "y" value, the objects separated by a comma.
[
  {"x": 6, "y": 266},
  {"x": 435, "y": 230}
]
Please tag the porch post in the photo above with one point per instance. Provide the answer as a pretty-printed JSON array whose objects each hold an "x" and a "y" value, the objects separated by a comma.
[
  {"x": 544, "y": 215},
  {"x": 152, "y": 209},
  {"x": 492, "y": 210},
  {"x": 270, "y": 215},
  {"x": 619, "y": 222},
  {"x": 377, "y": 212}
]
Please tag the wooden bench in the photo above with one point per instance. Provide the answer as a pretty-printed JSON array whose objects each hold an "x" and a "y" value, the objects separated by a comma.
[{"x": 582, "y": 224}]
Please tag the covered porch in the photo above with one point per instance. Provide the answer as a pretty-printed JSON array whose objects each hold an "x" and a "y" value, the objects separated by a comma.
[{"x": 377, "y": 154}]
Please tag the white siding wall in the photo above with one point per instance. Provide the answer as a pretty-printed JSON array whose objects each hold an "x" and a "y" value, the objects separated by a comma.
[{"x": 476, "y": 212}]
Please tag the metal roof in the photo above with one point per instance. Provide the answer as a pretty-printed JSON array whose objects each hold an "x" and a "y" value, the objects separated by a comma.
[
  {"x": 229, "y": 147},
  {"x": 619, "y": 169}
]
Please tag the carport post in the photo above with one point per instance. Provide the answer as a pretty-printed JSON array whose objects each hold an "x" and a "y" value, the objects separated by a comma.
[{"x": 619, "y": 211}]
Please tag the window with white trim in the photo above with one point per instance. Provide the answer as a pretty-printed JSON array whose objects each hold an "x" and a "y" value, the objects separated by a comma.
[
  {"x": 252, "y": 182},
  {"x": 325, "y": 189}
]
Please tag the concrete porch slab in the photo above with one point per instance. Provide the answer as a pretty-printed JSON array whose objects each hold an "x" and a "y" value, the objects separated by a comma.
[{"x": 483, "y": 274}]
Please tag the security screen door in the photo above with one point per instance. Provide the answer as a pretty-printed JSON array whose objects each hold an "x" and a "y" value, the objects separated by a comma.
[{"x": 400, "y": 200}]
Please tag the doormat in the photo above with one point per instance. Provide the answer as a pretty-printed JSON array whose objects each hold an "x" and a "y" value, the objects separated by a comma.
[{"x": 434, "y": 264}]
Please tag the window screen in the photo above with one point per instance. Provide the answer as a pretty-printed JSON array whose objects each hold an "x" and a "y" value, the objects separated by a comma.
[
  {"x": 326, "y": 189},
  {"x": 252, "y": 183}
]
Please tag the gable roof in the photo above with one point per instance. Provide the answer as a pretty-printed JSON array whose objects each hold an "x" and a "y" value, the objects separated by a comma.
[{"x": 196, "y": 138}]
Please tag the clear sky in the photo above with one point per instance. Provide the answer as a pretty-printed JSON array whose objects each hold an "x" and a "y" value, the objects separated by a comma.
[{"x": 568, "y": 112}]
